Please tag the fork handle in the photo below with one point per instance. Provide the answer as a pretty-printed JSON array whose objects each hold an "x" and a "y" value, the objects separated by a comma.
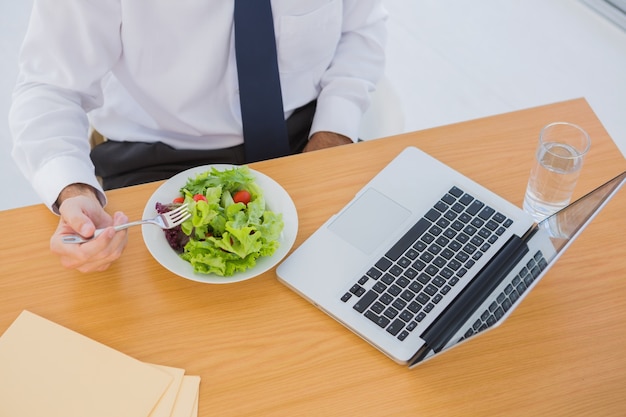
[
  {"x": 129, "y": 224},
  {"x": 80, "y": 239}
]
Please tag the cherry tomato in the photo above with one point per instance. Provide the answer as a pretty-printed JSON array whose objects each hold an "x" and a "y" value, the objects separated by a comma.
[
  {"x": 199, "y": 197},
  {"x": 242, "y": 196},
  {"x": 178, "y": 200}
]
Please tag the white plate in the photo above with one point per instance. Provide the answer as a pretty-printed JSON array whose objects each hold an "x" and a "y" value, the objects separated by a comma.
[{"x": 277, "y": 201}]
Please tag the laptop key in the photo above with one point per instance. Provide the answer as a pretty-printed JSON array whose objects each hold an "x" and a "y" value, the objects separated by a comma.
[
  {"x": 414, "y": 306},
  {"x": 365, "y": 301},
  {"x": 390, "y": 312},
  {"x": 432, "y": 215},
  {"x": 484, "y": 233},
  {"x": 457, "y": 225},
  {"x": 395, "y": 270},
  {"x": 455, "y": 191},
  {"x": 407, "y": 295},
  {"x": 448, "y": 199},
  {"x": 428, "y": 238},
  {"x": 427, "y": 257},
  {"x": 386, "y": 298},
  {"x": 379, "y": 287},
  {"x": 403, "y": 282},
  {"x": 395, "y": 327},
  {"x": 381, "y": 321},
  {"x": 377, "y": 308},
  {"x": 441, "y": 206},
  {"x": 477, "y": 222},
  {"x": 443, "y": 223},
  {"x": 406, "y": 315},
  {"x": 450, "y": 215},
  {"x": 430, "y": 289},
  {"x": 475, "y": 207},
  {"x": 383, "y": 264},
  {"x": 491, "y": 225},
  {"x": 387, "y": 279},
  {"x": 486, "y": 213},
  {"x": 408, "y": 239},
  {"x": 470, "y": 230},
  {"x": 420, "y": 246},
  {"x": 422, "y": 298},
  {"x": 373, "y": 273},
  {"x": 499, "y": 217},
  {"x": 458, "y": 207},
  {"x": 357, "y": 290},
  {"x": 462, "y": 238},
  {"x": 410, "y": 273},
  {"x": 438, "y": 281},
  {"x": 394, "y": 290},
  {"x": 399, "y": 304},
  {"x": 466, "y": 199}
]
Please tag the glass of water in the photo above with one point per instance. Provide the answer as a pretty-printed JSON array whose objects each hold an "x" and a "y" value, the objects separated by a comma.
[{"x": 558, "y": 160}]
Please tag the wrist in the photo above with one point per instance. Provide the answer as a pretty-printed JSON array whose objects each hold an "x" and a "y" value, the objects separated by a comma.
[
  {"x": 330, "y": 138},
  {"x": 77, "y": 190}
]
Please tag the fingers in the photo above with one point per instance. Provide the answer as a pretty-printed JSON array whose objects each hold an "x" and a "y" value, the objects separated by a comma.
[
  {"x": 97, "y": 254},
  {"x": 81, "y": 215},
  {"x": 103, "y": 252}
]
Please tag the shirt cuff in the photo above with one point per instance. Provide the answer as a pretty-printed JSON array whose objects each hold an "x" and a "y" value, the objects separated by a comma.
[
  {"x": 337, "y": 115},
  {"x": 58, "y": 173}
]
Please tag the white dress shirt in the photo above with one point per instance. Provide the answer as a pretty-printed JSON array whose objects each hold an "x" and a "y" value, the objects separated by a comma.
[{"x": 164, "y": 70}]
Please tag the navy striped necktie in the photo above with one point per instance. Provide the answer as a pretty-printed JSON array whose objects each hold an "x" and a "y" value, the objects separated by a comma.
[{"x": 264, "y": 128}]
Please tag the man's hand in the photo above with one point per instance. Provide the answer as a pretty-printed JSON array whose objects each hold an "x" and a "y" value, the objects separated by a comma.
[
  {"x": 321, "y": 140},
  {"x": 81, "y": 212}
]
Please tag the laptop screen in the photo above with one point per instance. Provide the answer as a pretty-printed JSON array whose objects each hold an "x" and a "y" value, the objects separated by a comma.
[{"x": 564, "y": 225}]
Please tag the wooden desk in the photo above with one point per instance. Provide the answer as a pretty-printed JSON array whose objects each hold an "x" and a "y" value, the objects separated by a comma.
[{"x": 261, "y": 350}]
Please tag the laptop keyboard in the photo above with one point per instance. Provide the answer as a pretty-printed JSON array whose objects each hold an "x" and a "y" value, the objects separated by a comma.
[
  {"x": 512, "y": 292},
  {"x": 404, "y": 285}
]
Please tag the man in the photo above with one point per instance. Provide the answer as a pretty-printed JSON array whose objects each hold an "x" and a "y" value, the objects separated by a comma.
[{"x": 162, "y": 75}]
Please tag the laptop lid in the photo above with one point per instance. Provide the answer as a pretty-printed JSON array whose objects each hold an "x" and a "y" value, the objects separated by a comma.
[{"x": 537, "y": 252}]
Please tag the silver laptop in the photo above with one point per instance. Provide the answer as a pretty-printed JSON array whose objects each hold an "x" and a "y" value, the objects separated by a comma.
[{"x": 423, "y": 258}]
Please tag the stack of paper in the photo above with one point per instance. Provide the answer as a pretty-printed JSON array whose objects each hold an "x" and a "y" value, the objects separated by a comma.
[{"x": 48, "y": 370}]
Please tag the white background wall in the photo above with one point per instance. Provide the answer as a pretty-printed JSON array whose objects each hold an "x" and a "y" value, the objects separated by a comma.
[{"x": 448, "y": 61}]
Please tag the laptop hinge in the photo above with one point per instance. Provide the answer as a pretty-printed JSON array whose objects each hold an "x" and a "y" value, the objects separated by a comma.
[{"x": 460, "y": 310}]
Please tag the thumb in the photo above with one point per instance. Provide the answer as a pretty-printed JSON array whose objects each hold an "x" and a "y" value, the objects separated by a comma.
[{"x": 78, "y": 220}]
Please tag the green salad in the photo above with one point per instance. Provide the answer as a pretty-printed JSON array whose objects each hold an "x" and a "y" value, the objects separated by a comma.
[{"x": 230, "y": 226}]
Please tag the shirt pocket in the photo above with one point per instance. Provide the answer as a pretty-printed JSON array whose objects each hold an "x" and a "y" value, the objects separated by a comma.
[{"x": 310, "y": 38}]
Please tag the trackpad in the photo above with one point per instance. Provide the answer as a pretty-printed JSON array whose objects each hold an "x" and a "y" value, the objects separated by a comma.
[{"x": 369, "y": 220}]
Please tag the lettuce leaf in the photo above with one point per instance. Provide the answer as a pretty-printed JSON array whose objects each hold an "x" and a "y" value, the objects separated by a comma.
[{"x": 227, "y": 237}]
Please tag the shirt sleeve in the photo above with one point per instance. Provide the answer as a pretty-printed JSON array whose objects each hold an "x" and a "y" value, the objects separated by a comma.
[
  {"x": 68, "y": 48},
  {"x": 357, "y": 66}
]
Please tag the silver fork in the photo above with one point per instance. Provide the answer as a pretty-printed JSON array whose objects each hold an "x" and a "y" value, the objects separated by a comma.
[{"x": 164, "y": 221}]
